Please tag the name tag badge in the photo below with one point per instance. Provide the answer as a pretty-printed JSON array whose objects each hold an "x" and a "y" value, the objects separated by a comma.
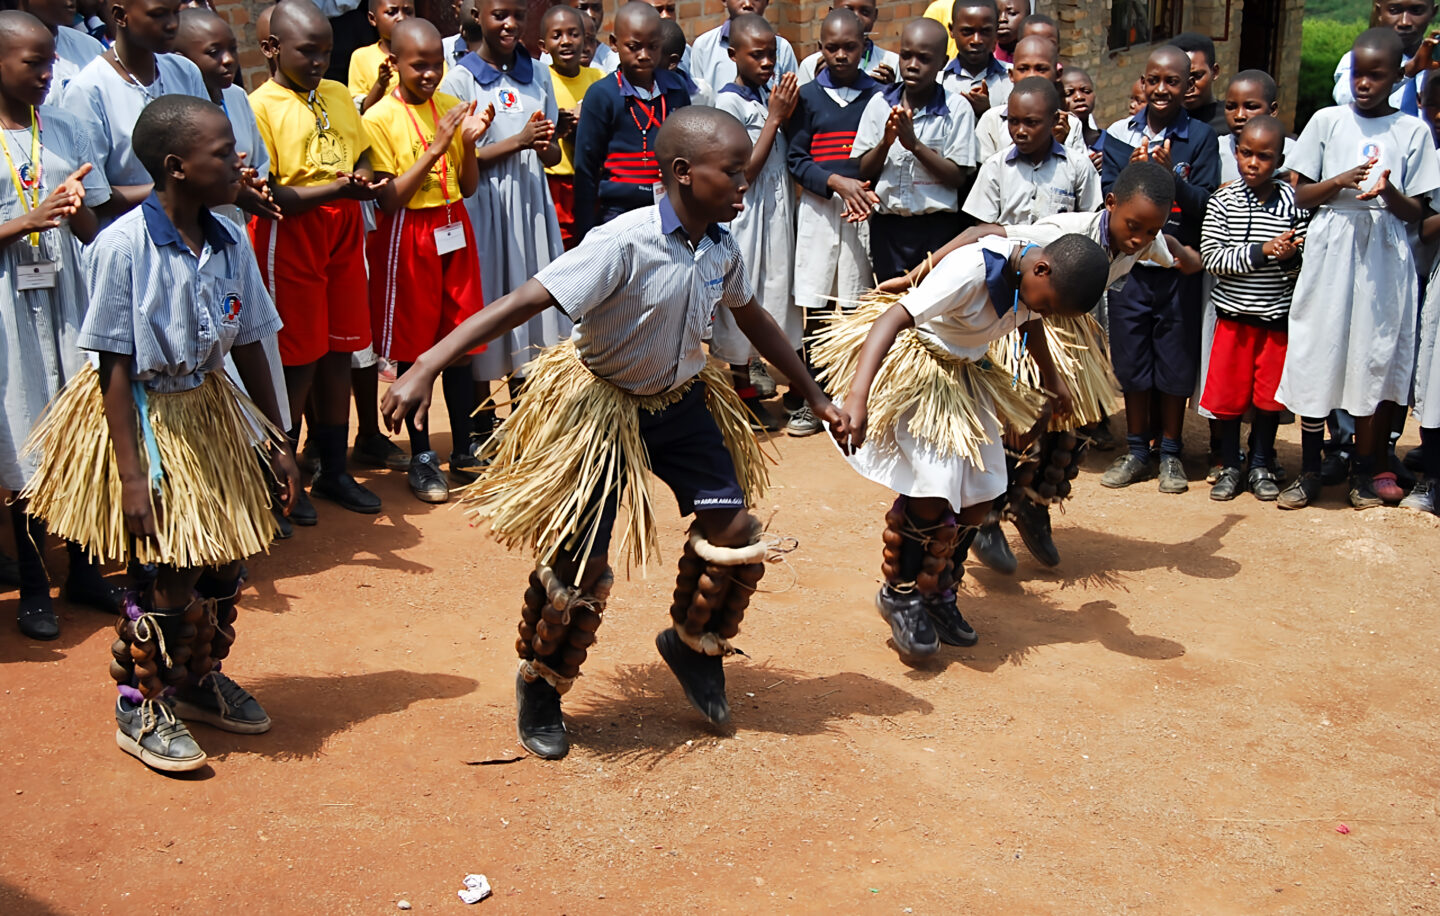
[
  {"x": 658, "y": 189},
  {"x": 449, "y": 238},
  {"x": 39, "y": 275}
]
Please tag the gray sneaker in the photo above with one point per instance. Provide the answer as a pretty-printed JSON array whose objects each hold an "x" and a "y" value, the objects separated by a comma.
[
  {"x": 151, "y": 733},
  {"x": 760, "y": 378},
  {"x": 1172, "y": 475},
  {"x": 803, "y": 422},
  {"x": 1125, "y": 470},
  {"x": 427, "y": 481},
  {"x": 1422, "y": 497},
  {"x": 910, "y": 626},
  {"x": 221, "y": 702}
]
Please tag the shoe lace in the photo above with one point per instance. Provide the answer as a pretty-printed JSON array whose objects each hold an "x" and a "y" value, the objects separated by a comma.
[
  {"x": 228, "y": 693},
  {"x": 804, "y": 415},
  {"x": 147, "y": 627},
  {"x": 157, "y": 716}
]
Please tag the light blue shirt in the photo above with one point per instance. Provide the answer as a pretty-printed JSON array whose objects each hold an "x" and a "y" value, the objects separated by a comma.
[{"x": 710, "y": 58}]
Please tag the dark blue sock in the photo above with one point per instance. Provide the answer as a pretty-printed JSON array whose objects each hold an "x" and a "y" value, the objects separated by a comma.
[
  {"x": 1430, "y": 452},
  {"x": 1169, "y": 446},
  {"x": 1139, "y": 446}
]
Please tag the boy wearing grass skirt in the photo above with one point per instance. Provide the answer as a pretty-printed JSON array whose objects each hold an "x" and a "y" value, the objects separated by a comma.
[
  {"x": 924, "y": 407},
  {"x": 168, "y": 437},
  {"x": 631, "y": 392}
]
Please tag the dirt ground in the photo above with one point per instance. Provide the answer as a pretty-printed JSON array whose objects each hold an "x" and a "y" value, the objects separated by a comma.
[{"x": 1179, "y": 719}]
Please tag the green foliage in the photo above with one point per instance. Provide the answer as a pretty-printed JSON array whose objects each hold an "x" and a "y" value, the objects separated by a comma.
[
  {"x": 1323, "y": 43},
  {"x": 1340, "y": 10}
]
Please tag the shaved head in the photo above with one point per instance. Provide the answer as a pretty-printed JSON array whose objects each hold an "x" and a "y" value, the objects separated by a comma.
[
  {"x": 1171, "y": 56},
  {"x": 637, "y": 16},
  {"x": 839, "y": 20},
  {"x": 16, "y": 27},
  {"x": 196, "y": 21},
  {"x": 413, "y": 33},
  {"x": 1265, "y": 129},
  {"x": 750, "y": 25},
  {"x": 561, "y": 11},
  {"x": 1383, "y": 41},
  {"x": 691, "y": 132},
  {"x": 1039, "y": 46},
  {"x": 293, "y": 18},
  {"x": 927, "y": 33}
]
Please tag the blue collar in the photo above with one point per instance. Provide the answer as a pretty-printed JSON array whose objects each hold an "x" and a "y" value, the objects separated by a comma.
[
  {"x": 1056, "y": 150},
  {"x": 670, "y": 220},
  {"x": 1105, "y": 233},
  {"x": 1178, "y": 129},
  {"x": 458, "y": 52},
  {"x": 863, "y": 81},
  {"x": 486, "y": 75},
  {"x": 725, "y": 32},
  {"x": 1000, "y": 282},
  {"x": 936, "y": 106},
  {"x": 745, "y": 92},
  {"x": 665, "y": 81},
  {"x": 993, "y": 68},
  {"x": 163, "y": 232}
]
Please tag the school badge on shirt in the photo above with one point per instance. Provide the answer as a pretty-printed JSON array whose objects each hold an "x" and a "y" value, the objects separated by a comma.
[
  {"x": 508, "y": 99},
  {"x": 1370, "y": 151},
  {"x": 230, "y": 309}
]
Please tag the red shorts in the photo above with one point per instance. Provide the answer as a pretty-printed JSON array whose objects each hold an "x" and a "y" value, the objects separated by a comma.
[
  {"x": 417, "y": 295},
  {"x": 313, "y": 264},
  {"x": 562, "y": 194},
  {"x": 1245, "y": 365}
]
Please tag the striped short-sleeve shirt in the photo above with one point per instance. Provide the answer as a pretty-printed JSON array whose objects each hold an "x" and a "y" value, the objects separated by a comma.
[
  {"x": 175, "y": 313},
  {"x": 641, "y": 297}
]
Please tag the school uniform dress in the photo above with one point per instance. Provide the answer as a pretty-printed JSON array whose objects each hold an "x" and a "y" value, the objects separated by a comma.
[
  {"x": 710, "y": 57},
  {"x": 569, "y": 92},
  {"x": 764, "y": 231},
  {"x": 74, "y": 50},
  {"x": 1013, "y": 190},
  {"x": 1352, "y": 322},
  {"x": 1155, "y": 319},
  {"x": 110, "y": 103},
  {"x": 916, "y": 213},
  {"x": 516, "y": 228},
  {"x": 959, "y": 79},
  {"x": 1426, "y": 389},
  {"x": 364, "y": 67},
  {"x": 313, "y": 263},
  {"x": 40, "y": 327},
  {"x": 418, "y": 292},
  {"x": 966, "y": 303},
  {"x": 992, "y": 132},
  {"x": 832, "y": 257},
  {"x": 871, "y": 59}
]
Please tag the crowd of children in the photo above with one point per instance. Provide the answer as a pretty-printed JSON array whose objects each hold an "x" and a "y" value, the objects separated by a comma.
[{"x": 565, "y": 233}]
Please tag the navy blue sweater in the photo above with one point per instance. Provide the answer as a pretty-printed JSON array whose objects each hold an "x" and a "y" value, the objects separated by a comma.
[
  {"x": 1195, "y": 159},
  {"x": 821, "y": 133},
  {"x": 615, "y": 164}
]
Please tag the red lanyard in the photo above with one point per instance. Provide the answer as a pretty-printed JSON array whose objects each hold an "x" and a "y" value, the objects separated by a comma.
[
  {"x": 435, "y": 117},
  {"x": 649, "y": 114}
]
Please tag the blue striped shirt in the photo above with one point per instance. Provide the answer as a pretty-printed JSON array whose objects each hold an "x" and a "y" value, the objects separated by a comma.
[
  {"x": 175, "y": 314},
  {"x": 641, "y": 297}
]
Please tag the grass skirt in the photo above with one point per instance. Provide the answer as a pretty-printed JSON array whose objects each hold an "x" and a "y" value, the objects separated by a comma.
[
  {"x": 213, "y": 504},
  {"x": 1078, "y": 347},
  {"x": 947, "y": 398},
  {"x": 575, "y": 438}
]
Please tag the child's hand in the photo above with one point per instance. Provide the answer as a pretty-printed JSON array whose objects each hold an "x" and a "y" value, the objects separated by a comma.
[
  {"x": 255, "y": 196},
  {"x": 1062, "y": 129},
  {"x": 1187, "y": 260},
  {"x": 979, "y": 97},
  {"x": 57, "y": 207},
  {"x": 358, "y": 185},
  {"x": 383, "y": 74},
  {"x": 282, "y": 465},
  {"x": 904, "y": 120},
  {"x": 883, "y": 73},
  {"x": 1282, "y": 247},
  {"x": 411, "y": 391},
  {"x": 1160, "y": 155},
  {"x": 892, "y": 128},
  {"x": 895, "y": 286},
  {"x": 1424, "y": 58},
  {"x": 1353, "y": 178},
  {"x": 858, "y": 197},
  {"x": 850, "y": 431},
  {"x": 1061, "y": 398},
  {"x": 74, "y": 182},
  {"x": 1141, "y": 153},
  {"x": 1381, "y": 186},
  {"x": 476, "y": 125},
  {"x": 536, "y": 133},
  {"x": 565, "y": 122},
  {"x": 784, "y": 98},
  {"x": 445, "y": 128},
  {"x": 136, "y": 507},
  {"x": 1097, "y": 159}
]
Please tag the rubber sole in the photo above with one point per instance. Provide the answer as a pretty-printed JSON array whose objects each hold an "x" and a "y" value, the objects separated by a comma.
[
  {"x": 895, "y": 634},
  {"x": 520, "y": 736},
  {"x": 353, "y": 507},
  {"x": 163, "y": 764},
  {"x": 189, "y": 712},
  {"x": 666, "y": 642}
]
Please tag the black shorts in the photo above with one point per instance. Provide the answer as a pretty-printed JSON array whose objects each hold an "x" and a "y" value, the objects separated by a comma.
[
  {"x": 1155, "y": 331},
  {"x": 900, "y": 243},
  {"x": 687, "y": 452}
]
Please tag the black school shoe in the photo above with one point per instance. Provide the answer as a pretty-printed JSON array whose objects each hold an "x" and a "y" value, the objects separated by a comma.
[
  {"x": 991, "y": 548},
  {"x": 36, "y": 618},
  {"x": 702, "y": 676},
  {"x": 1264, "y": 483},
  {"x": 950, "y": 624},
  {"x": 1032, "y": 520},
  {"x": 538, "y": 720},
  {"x": 303, "y": 512},
  {"x": 1303, "y": 491},
  {"x": 1228, "y": 485},
  {"x": 346, "y": 490},
  {"x": 1362, "y": 492},
  {"x": 910, "y": 625}
]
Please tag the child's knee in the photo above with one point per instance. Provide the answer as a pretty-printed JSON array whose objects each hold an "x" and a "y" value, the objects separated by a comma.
[{"x": 727, "y": 527}]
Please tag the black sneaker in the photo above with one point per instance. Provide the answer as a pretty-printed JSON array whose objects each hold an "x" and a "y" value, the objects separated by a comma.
[
  {"x": 1172, "y": 475},
  {"x": 761, "y": 419},
  {"x": 760, "y": 378},
  {"x": 303, "y": 513},
  {"x": 702, "y": 676},
  {"x": 1264, "y": 484},
  {"x": 1230, "y": 484},
  {"x": 377, "y": 451},
  {"x": 910, "y": 625},
  {"x": 151, "y": 733},
  {"x": 36, "y": 618},
  {"x": 1101, "y": 439},
  {"x": 950, "y": 625},
  {"x": 1032, "y": 520},
  {"x": 1303, "y": 491},
  {"x": 1362, "y": 492},
  {"x": 345, "y": 490},
  {"x": 991, "y": 548},
  {"x": 465, "y": 468},
  {"x": 538, "y": 720},
  {"x": 1334, "y": 469},
  {"x": 1126, "y": 470},
  {"x": 426, "y": 480},
  {"x": 221, "y": 702}
]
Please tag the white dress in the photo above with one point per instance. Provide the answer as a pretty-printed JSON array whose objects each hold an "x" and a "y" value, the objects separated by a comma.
[
  {"x": 1427, "y": 373},
  {"x": 1352, "y": 322},
  {"x": 765, "y": 232},
  {"x": 516, "y": 229},
  {"x": 39, "y": 328}
]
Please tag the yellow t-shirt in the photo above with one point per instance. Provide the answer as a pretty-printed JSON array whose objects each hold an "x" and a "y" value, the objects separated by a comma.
[
  {"x": 310, "y": 141},
  {"x": 569, "y": 91},
  {"x": 364, "y": 65},
  {"x": 395, "y": 145},
  {"x": 941, "y": 11}
]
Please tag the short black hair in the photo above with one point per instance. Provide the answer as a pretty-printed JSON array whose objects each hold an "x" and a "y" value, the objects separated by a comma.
[
  {"x": 1384, "y": 41},
  {"x": 635, "y": 14},
  {"x": 932, "y": 33},
  {"x": 1039, "y": 85},
  {"x": 1150, "y": 180},
  {"x": 975, "y": 5},
  {"x": 1194, "y": 41},
  {"x": 672, "y": 38},
  {"x": 1040, "y": 19},
  {"x": 842, "y": 17},
  {"x": 1079, "y": 271},
  {"x": 687, "y": 132},
  {"x": 1270, "y": 124},
  {"x": 559, "y": 10},
  {"x": 750, "y": 24},
  {"x": 170, "y": 125},
  {"x": 1260, "y": 78},
  {"x": 198, "y": 17}
]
